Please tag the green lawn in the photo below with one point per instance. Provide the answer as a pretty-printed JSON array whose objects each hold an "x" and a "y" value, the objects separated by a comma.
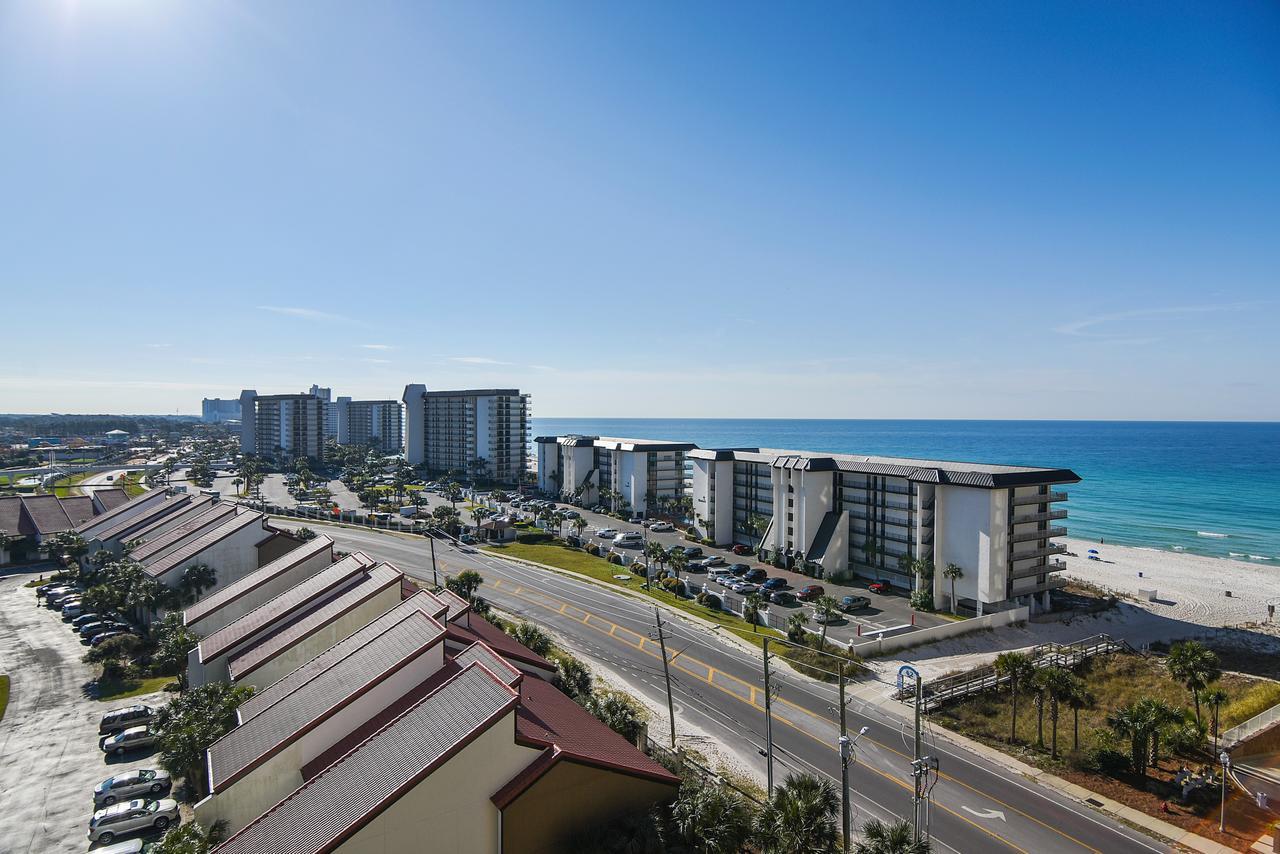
[
  {"x": 110, "y": 691},
  {"x": 576, "y": 560},
  {"x": 131, "y": 483},
  {"x": 4, "y": 694},
  {"x": 63, "y": 487}
]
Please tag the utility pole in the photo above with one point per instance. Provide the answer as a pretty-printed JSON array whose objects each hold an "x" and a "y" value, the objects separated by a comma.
[
  {"x": 666, "y": 673},
  {"x": 768, "y": 722},
  {"x": 435, "y": 578},
  {"x": 845, "y": 748}
]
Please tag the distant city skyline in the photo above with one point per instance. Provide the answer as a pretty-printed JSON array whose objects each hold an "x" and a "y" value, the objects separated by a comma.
[{"x": 1019, "y": 211}]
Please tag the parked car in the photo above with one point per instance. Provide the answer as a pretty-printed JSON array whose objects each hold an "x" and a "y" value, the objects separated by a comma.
[
  {"x": 85, "y": 619},
  {"x": 833, "y": 617},
  {"x": 130, "y": 739},
  {"x": 106, "y": 636},
  {"x": 132, "y": 817},
  {"x": 90, "y": 630},
  {"x": 882, "y": 586},
  {"x": 721, "y": 576},
  {"x": 740, "y": 549},
  {"x": 810, "y": 592},
  {"x": 774, "y": 584},
  {"x": 129, "y": 846},
  {"x": 607, "y": 533},
  {"x": 782, "y": 597},
  {"x": 572, "y": 514},
  {"x": 44, "y": 590},
  {"x": 692, "y": 552},
  {"x": 744, "y": 588},
  {"x": 708, "y": 562},
  {"x": 599, "y": 508},
  {"x": 467, "y": 540},
  {"x": 628, "y": 539},
  {"x": 756, "y": 576},
  {"x": 126, "y": 717},
  {"x": 661, "y": 527},
  {"x": 739, "y": 569},
  {"x": 71, "y": 610},
  {"x": 130, "y": 784},
  {"x": 60, "y": 598},
  {"x": 854, "y": 603}
]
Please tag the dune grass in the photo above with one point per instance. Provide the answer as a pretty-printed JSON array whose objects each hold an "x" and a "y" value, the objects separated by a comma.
[{"x": 4, "y": 694}]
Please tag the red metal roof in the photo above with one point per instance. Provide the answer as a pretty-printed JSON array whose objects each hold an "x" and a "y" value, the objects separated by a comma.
[{"x": 503, "y": 643}]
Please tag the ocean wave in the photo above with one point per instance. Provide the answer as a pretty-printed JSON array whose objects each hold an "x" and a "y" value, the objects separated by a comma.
[
  {"x": 1259, "y": 557},
  {"x": 1236, "y": 554},
  {"x": 1179, "y": 548},
  {"x": 1212, "y": 535}
]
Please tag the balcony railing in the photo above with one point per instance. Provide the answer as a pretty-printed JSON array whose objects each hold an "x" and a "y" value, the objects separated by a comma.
[
  {"x": 1045, "y": 516},
  {"x": 1045, "y": 551},
  {"x": 1039, "y": 498},
  {"x": 1040, "y": 534}
]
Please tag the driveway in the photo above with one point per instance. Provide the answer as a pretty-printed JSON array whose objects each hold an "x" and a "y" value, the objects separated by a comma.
[{"x": 49, "y": 756}]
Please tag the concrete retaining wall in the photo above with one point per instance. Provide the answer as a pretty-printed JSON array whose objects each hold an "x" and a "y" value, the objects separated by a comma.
[{"x": 920, "y": 637}]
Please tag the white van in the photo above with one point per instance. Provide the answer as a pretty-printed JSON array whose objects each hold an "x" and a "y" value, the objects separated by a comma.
[{"x": 630, "y": 539}]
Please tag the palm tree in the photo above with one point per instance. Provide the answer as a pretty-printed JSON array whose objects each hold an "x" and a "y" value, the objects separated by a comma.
[
  {"x": 678, "y": 560},
  {"x": 1214, "y": 698},
  {"x": 1195, "y": 666},
  {"x": 895, "y": 838},
  {"x": 1058, "y": 684},
  {"x": 196, "y": 579},
  {"x": 579, "y": 525},
  {"x": 951, "y": 573},
  {"x": 751, "y": 610},
  {"x": 1079, "y": 698},
  {"x": 825, "y": 607},
  {"x": 479, "y": 514},
  {"x": 656, "y": 556},
  {"x": 1019, "y": 669},
  {"x": 712, "y": 819},
  {"x": 1164, "y": 716},
  {"x": 755, "y": 525},
  {"x": 795, "y": 626},
  {"x": 800, "y": 817},
  {"x": 453, "y": 492},
  {"x": 1140, "y": 722}
]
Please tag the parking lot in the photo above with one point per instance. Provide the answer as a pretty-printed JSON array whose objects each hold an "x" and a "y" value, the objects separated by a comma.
[{"x": 49, "y": 755}]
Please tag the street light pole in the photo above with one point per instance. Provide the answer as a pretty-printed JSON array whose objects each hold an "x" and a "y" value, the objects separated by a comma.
[
  {"x": 1225, "y": 759},
  {"x": 847, "y": 758},
  {"x": 768, "y": 723}
]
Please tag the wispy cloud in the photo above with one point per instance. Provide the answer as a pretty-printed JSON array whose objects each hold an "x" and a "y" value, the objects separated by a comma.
[
  {"x": 1088, "y": 327},
  {"x": 477, "y": 360},
  {"x": 376, "y": 346},
  {"x": 377, "y": 361},
  {"x": 304, "y": 313}
]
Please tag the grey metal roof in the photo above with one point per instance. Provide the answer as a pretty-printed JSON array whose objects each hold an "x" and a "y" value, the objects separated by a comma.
[
  {"x": 155, "y": 513},
  {"x": 223, "y": 596},
  {"x": 457, "y": 605},
  {"x": 188, "y": 551},
  {"x": 46, "y": 513},
  {"x": 348, "y": 794},
  {"x": 482, "y": 653},
  {"x": 423, "y": 603},
  {"x": 298, "y": 596},
  {"x": 237, "y": 752},
  {"x": 111, "y": 497},
  {"x": 244, "y": 662},
  {"x": 103, "y": 520},
  {"x": 213, "y": 515},
  {"x": 198, "y": 504}
]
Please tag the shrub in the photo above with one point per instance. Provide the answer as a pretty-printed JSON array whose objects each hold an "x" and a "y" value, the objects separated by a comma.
[
  {"x": 922, "y": 599},
  {"x": 534, "y": 539},
  {"x": 709, "y": 600},
  {"x": 593, "y": 549},
  {"x": 615, "y": 559},
  {"x": 673, "y": 585},
  {"x": 1107, "y": 760},
  {"x": 532, "y": 637},
  {"x": 1186, "y": 738}
]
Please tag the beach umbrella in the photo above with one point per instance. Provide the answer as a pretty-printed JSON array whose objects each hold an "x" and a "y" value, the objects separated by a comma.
[{"x": 1093, "y": 551}]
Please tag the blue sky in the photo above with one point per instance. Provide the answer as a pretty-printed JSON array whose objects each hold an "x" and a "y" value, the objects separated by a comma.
[{"x": 1011, "y": 210}]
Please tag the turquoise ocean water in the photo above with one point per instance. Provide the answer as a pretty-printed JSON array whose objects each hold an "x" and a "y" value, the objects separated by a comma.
[{"x": 1201, "y": 487}]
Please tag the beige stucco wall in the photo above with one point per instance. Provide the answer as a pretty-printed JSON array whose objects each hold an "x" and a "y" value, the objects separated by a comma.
[
  {"x": 450, "y": 810},
  {"x": 233, "y": 611},
  {"x": 570, "y": 798}
]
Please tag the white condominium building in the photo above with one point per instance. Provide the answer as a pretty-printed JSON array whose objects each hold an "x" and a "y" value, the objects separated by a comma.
[
  {"x": 479, "y": 433},
  {"x": 282, "y": 426},
  {"x": 841, "y": 516},
  {"x": 376, "y": 423},
  {"x": 637, "y": 473},
  {"x": 330, "y": 411}
]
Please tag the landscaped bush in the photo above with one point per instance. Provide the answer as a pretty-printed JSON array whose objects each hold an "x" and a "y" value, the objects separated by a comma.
[
  {"x": 922, "y": 600},
  {"x": 615, "y": 559},
  {"x": 709, "y": 600},
  {"x": 673, "y": 585},
  {"x": 534, "y": 539}
]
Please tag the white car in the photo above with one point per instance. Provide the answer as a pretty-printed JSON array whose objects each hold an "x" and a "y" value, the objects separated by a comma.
[
  {"x": 132, "y": 817},
  {"x": 713, "y": 560},
  {"x": 129, "y": 739},
  {"x": 834, "y": 617},
  {"x": 607, "y": 533},
  {"x": 721, "y": 577},
  {"x": 661, "y": 527},
  {"x": 130, "y": 784}
]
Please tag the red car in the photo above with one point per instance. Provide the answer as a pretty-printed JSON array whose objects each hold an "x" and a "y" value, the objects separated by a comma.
[
  {"x": 810, "y": 592},
  {"x": 882, "y": 587},
  {"x": 740, "y": 549}
]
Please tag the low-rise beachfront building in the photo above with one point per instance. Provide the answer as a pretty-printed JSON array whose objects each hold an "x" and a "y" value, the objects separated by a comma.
[
  {"x": 479, "y": 433},
  {"x": 843, "y": 516},
  {"x": 414, "y": 729},
  {"x": 372, "y": 423},
  {"x": 640, "y": 474}
]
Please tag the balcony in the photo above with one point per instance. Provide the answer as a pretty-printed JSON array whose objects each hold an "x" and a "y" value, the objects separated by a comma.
[
  {"x": 1039, "y": 569},
  {"x": 1041, "y": 498},
  {"x": 1040, "y": 534},
  {"x": 1046, "y": 516},
  {"x": 1045, "y": 551}
]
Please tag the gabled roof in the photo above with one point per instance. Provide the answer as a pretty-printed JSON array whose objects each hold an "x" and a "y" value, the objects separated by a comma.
[
  {"x": 46, "y": 514},
  {"x": 111, "y": 497},
  {"x": 188, "y": 551},
  {"x": 11, "y": 515},
  {"x": 334, "y": 805},
  {"x": 79, "y": 508},
  {"x": 327, "y": 691},
  {"x": 201, "y": 521},
  {"x": 224, "y": 596},
  {"x": 198, "y": 504},
  {"x": 423, "y": 603},
  {"x": 481, "y": 652},
  {"x": 123, "y": 528},
  {"x": 246, "y": 661},
  {"x": 497, "y": 639},
  {"x": 457, "y": 605},
  {"x": 104, "y": 520},
  {"x": 300, "y": 596}
]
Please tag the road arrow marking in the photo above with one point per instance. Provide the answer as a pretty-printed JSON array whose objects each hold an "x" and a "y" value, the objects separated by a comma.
[{"x": 985, "y": 813}]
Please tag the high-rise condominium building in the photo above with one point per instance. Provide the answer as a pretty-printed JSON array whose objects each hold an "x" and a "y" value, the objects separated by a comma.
[
  {"x": 871, "y": 517},
  {"x": 641, "y": 474},
  {"x": 216, "y": 410},
  {"x": 330, "y": 411},
  {"x": 376, "y": 423},
  {"x": 282, "y": 426},
  {"x": 481, "y": 433}
]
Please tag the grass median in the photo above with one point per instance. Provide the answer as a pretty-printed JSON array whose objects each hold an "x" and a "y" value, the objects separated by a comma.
[{"x": 563, "y": 556}]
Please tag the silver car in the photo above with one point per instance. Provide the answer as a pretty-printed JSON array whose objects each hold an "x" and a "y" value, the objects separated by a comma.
[
  {"x": 130, "y": 784},
  {"x": 137, "y": 816},
  {"x": 129, "y": 739}
]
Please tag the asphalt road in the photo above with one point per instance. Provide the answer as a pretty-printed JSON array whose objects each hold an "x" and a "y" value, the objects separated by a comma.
[{"x": 717, "y": 686}]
